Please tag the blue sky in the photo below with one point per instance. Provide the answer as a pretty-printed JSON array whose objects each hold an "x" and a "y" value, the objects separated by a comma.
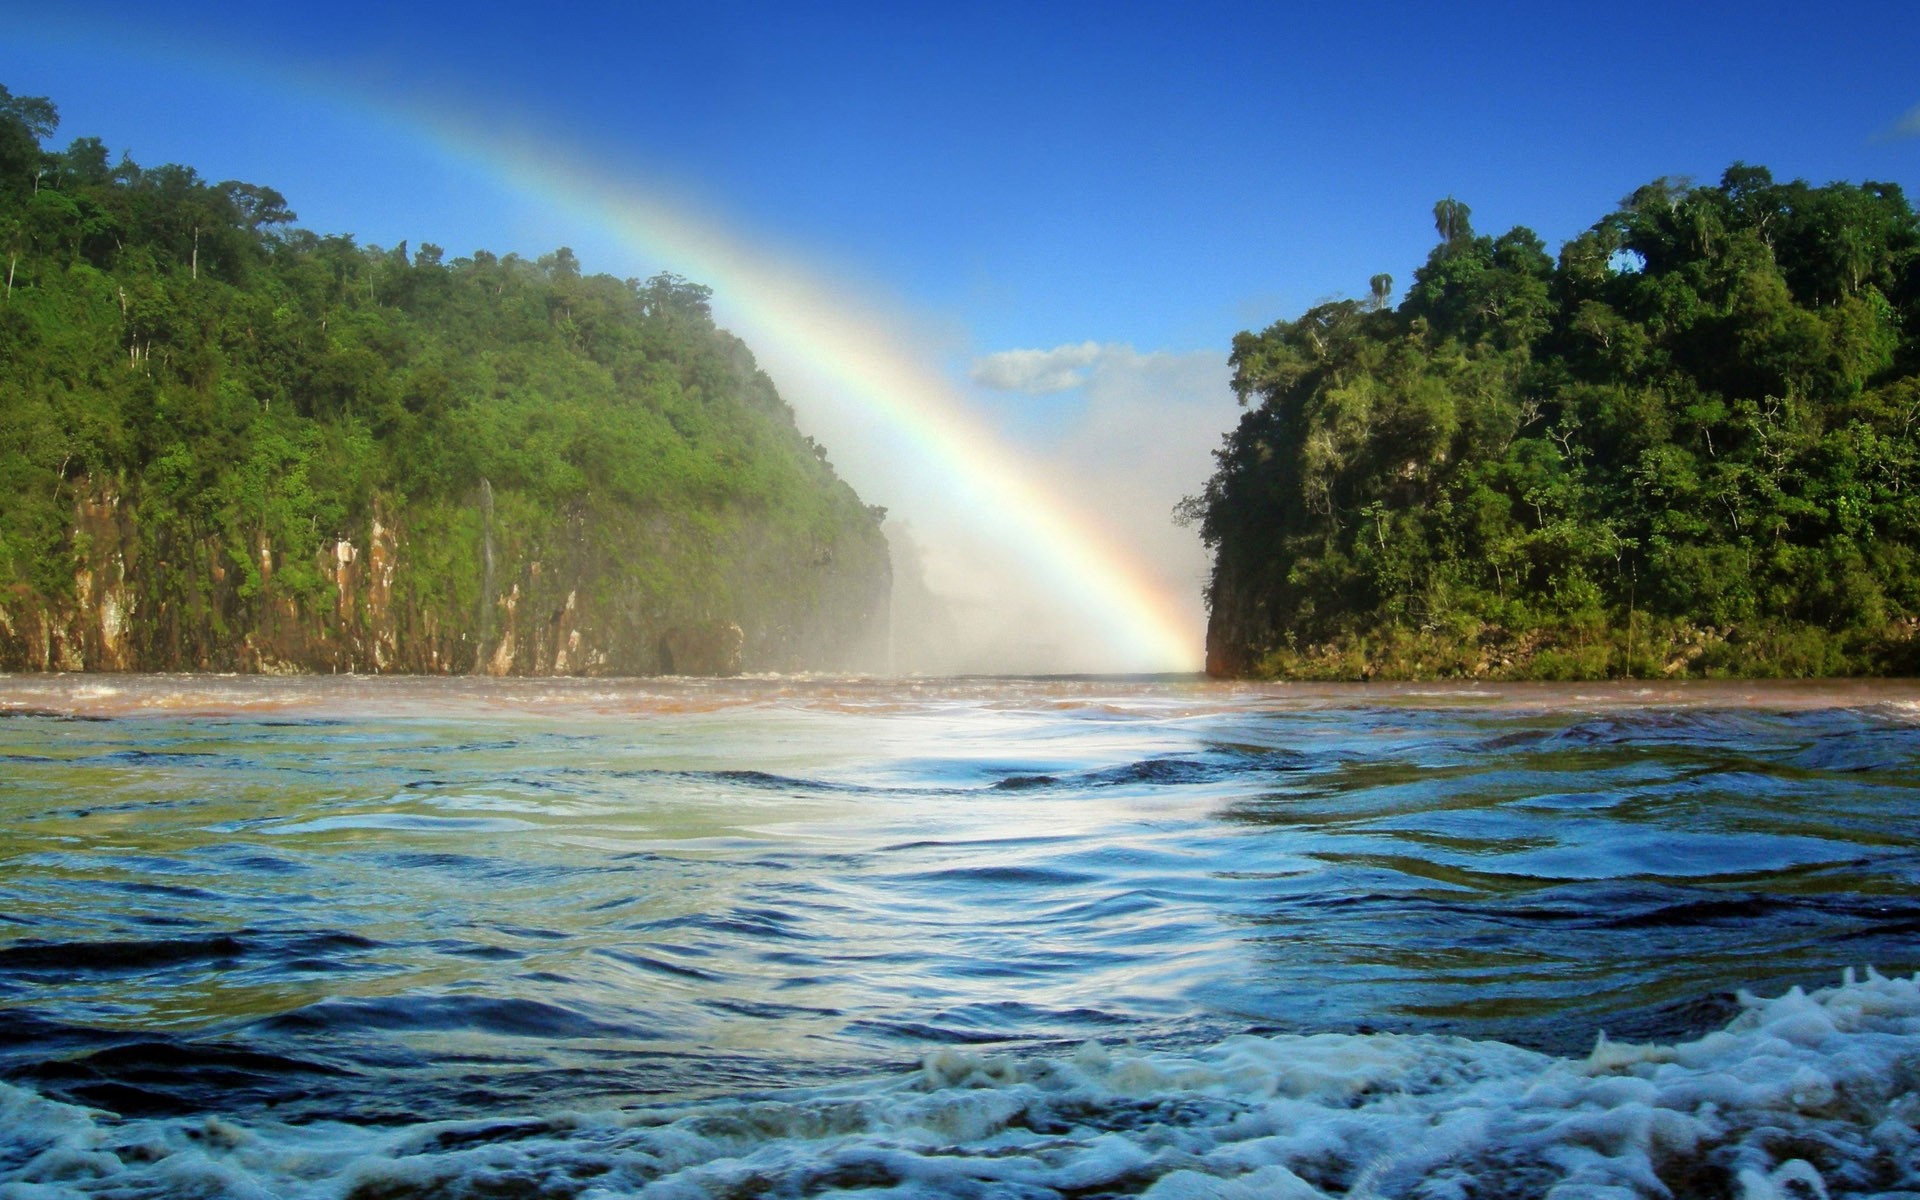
[
  {"x": 1114, "y": 189},
  {"x": 1158, "y": 175}
]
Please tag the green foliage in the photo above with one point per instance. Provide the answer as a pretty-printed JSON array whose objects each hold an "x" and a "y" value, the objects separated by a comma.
[
  {"x": 1705, "y": 414},
  {"x": 239, "y": 383}
]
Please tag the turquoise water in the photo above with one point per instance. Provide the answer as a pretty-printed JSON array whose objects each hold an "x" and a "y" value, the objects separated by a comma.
[{"x": 335, "y": 936}]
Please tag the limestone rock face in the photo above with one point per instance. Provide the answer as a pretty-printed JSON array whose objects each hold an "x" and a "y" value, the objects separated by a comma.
[{"x": 384, "y": 600}]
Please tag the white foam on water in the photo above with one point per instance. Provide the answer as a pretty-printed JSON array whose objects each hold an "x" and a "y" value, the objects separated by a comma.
[{"x": 1802, "y": 1096}]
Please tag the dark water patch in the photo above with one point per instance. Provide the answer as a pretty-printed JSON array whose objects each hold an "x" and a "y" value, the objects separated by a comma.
[
  {"x": 1611, "y": 907},
  {"x": 1026, "y": 783},
  {"x": 475, "y": 950},
  {"x": 321, "y": 966},
  {"x": 123, "y": 1099},
  {"x": 1899, "y": 926},
  {"x": 1518, "y": 739},
  {"x": 986, "y": 845},
  {"x": 765, "y": 1011},
  {"x": 1222, "y": 764},
  {"x": 167, "y": 891},
  {"x": 444, "y": 861},
  {"x": 145, "y": 805},
  {"x": 50, "y": 714},
  {"x": 646, "y": 856},
  {"x": 65, "y": 957},
  {"x": 1035, "y": 1021},
  {"x": 620, "y": 903},
  {"x": 172, "y": 1077},
  {"x": 215, "y": 1061},
  {"x": 1572, "y": 1026},
  {"x": 755, "y": 923},
  {"x": 501, "y": 1016},
  {"x": 768, "y": 781},
  {"x": 162, "y": 757},
  {"x": 1674, "y": 1021},
  {"x": 1850, "y": 752},
  {"x": 69, "y": 958},
  {"x": 1148, "y": 772},
  {"x": 780, "y": 863},
  {"x": 246, "y": 859},
  {"x": 1699, "y": 912},
  {"x": 919, "y": 1033},
  {"x": 154, "y": 920},
  {"x": 288, "y": 722},
  {"x": 1744, "y": 729},
  {"x": 532, "y": 933},
  {"x": 1165, "y": 772},
  {"x": 28, "y": 1033},
  {"x": 1014, "y": 968},
  {"x": 1003, "y": 876},
  {"x": 333, "y": 940},
  {"x": 455, "y": 747},
  {"x": 494, "y": 1134},
  {"x": 658, "y": 966}
]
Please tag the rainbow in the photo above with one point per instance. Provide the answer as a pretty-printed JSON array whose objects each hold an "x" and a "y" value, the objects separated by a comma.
[{"x": 779, "y": 305}]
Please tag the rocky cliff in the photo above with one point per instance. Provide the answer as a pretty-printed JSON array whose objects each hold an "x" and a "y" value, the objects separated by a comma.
[{"x": 559, "y": 603}]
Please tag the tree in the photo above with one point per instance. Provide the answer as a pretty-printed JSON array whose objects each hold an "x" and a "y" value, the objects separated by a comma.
[
  {"x": 25, "y": 121},
  {"x": 668, "y": 295},
  {"x": 255, "y": 208},
  {"x": 1451, "y": 222},
  {"x": 1380, "y": 288}
]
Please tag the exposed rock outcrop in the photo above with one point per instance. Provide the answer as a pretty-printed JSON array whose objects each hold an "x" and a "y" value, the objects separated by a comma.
[{"x": 366, "y": 603}]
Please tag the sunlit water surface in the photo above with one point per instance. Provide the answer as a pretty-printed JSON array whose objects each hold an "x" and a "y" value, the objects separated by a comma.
[{"x": 367, "y": 937}]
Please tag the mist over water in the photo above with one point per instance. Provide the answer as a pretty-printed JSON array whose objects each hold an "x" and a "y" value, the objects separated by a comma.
[
  {"x": 962, "y": 606},
  {"x": 959, "y": 609},
  {"x": 1037, "y": 542},
  {"x": 1069, "y": 937}
]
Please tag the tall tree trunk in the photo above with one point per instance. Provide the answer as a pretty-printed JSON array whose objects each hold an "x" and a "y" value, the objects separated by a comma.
[{"x": 486, "y": 576}]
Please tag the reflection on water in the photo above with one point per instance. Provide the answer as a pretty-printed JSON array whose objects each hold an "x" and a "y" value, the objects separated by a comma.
[{"x": 373, "y": 900}]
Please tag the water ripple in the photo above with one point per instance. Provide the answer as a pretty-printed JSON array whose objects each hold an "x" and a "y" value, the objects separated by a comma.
[{"x": 433, "y": 898}]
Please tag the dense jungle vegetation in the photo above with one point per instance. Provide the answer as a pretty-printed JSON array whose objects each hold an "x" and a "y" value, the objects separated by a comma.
[
  {"x": 1688, "y": 445},
  {"x": 245, "y": 394}
]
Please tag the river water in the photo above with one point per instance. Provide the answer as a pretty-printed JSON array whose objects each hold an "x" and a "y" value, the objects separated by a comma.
[{"x": 370, "y": 938}]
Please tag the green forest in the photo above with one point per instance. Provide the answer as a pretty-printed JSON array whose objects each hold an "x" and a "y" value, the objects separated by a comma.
[
  {"x": 1688, "y": 445},
  {"x": 228, "y": 442}
]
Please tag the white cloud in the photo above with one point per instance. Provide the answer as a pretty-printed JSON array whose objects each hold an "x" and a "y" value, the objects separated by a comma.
[
  {"x": 1906, "y": 127},
  {"x": 1037, "y": 371}
]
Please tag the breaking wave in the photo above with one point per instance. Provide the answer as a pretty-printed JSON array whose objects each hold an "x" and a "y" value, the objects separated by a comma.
[{"x": 1802, "y": 1095}]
